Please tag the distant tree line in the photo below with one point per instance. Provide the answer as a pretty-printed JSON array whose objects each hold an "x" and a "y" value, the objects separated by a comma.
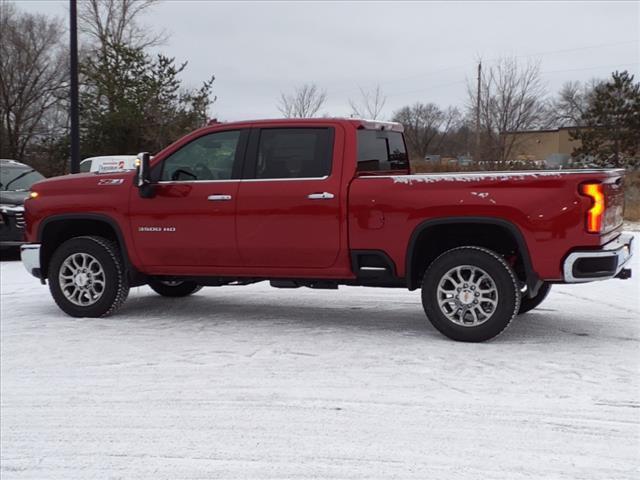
[
  {"x": 130, "y": 100},
  {"x": 605, "y": 115},
  {"x": 33, "y": 88}
]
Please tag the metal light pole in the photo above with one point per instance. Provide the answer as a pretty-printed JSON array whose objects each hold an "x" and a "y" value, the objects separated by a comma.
[
  {"x": 73, "y": 71},
  {"x": 477, "y": 146}
]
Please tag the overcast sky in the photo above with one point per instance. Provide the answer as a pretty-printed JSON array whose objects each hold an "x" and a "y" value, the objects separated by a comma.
[{"x": 416, "y": 51}]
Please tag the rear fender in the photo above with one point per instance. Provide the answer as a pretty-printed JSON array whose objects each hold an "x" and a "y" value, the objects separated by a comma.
[{"x": 532, "y": 280}]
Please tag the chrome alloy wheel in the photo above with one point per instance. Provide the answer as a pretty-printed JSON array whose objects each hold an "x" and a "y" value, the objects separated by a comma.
[
  {"x": 82, "y": 279},
  {"x": 467, "y": 295}
]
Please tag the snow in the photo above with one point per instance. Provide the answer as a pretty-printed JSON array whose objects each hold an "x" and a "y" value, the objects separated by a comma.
[
  {"x": 255, "y": 382},
  {"x": 480, "y": 194},
  {"x": 473, "y": 176}
]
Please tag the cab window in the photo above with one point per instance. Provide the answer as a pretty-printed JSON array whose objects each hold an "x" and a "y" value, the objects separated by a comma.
[
  {"x": 294, "y": 153},
  {"x": 210, "y": 157},
  {"x": 380, "y": 151}
]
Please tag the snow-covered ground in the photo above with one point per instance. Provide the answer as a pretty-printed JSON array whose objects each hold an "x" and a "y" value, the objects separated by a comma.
[{"x": 255, "y": 382}]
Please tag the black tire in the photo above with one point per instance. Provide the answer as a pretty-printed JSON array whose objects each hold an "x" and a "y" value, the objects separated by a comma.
[
  {"x": 527, "y": 303},
  {"x": 116, "y": 284},
  {"x": 491, "y": 271},
  {"x": 174, "y": 289}
]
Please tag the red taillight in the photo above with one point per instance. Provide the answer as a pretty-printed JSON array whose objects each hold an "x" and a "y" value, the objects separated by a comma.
[{"x": 596, "y": 211}]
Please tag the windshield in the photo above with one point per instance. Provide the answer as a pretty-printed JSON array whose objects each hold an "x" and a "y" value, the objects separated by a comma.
[
  {"x": 18, "y": 178},
  {"x": 85, "y": 166}
]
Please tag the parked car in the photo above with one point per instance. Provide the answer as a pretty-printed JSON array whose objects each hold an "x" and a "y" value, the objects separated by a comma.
[
  {"x": 108, "y": 163},
  {"x": 320, "y": 203},
  {"x": 15, "y": 181}
]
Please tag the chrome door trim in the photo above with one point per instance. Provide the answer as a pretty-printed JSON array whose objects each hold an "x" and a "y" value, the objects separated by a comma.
[
  {"x": 178, "y": 182},
  {"x": 239, "y": 180},
  {"x": 283, "y": 179}
]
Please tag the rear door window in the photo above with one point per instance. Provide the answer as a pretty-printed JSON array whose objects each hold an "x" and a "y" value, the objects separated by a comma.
[
  {"x": 294, "y": 153},
  {"x": 380, "y": 151}
]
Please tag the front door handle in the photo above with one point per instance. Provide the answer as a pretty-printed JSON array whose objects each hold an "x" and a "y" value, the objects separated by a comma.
[
  {"x": 219, "y": 198},
  {"x": 320, "y": 196}
]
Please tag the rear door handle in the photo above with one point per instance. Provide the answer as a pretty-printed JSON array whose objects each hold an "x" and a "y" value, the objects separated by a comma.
[
  {"x": 219, "y": 198},
  {"x": 320, "y": 196}
]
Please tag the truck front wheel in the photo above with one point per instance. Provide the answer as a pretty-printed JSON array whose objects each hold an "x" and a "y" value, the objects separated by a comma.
[
  {"x": 87, "y": 277},
  {"x": 470, "y": 294},
  {"x": 173, "y": 288}
]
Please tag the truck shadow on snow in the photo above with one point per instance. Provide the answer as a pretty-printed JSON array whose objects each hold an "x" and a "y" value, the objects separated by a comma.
[
  {"x": 301, "y": 313},
  {"x": 544, "y": 325}
]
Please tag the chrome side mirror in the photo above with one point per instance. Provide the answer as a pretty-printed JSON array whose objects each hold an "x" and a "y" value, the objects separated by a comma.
[
  {"x": 145, "y": 185},
  {"x": 144, "y": 172}
]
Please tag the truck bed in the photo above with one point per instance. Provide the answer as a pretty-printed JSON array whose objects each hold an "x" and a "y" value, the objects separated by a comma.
[{"x": 546, "y": 207}]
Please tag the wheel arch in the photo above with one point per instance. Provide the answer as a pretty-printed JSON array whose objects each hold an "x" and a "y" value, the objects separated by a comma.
[
  {"x": 416, "y": 258},
  {"x": 56, "y": 229}
]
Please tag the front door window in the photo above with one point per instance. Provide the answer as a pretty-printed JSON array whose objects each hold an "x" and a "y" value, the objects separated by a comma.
[{"x": 210, "y": 157}]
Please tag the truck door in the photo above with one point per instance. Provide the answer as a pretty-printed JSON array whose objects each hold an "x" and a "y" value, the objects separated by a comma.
[
  {"x": 191, "y": 219},
  {"x": 289, "y": 202}
]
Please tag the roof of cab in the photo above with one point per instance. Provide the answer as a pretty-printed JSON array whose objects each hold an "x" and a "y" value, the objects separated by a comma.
[
  {"x": 110, "y": 157},
  {"x": 359, "y": 123}
]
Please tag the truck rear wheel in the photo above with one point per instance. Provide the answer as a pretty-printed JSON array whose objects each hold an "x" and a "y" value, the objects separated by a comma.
[
  {"x": 87, "y": 277},
  {"x": 470, "y": 294},
  {"x": 173, "y": 288},
  {"x": 527, "y": 303}
]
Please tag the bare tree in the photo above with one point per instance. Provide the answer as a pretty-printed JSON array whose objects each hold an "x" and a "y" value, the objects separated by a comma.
[
  {"x": 573, "y": 100},
  {"x": 33, "y": 76},
  {"x": 426, "y": 127},
  {"x": 370, "y": 104},
  {"x": 116, "y": 22},
  {"x": 512, "y": 98},
  {"x": 305, "y": 102}
]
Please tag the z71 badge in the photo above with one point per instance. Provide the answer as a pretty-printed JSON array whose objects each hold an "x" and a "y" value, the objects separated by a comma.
[{"x": 110, "y": 181}]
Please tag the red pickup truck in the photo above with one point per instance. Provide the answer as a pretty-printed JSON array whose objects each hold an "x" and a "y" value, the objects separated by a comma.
[{"x": 320, "y": 203}]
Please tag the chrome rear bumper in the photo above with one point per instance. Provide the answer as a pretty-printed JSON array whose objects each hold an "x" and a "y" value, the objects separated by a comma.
[
  {"x": 30, "y": 255},
  {"x": 609, "y": 262}
]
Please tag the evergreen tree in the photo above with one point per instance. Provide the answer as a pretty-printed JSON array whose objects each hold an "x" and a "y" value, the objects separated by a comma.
[
  {"x": 132, "y": 102},
  {"x": 610, "y": 132}
]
